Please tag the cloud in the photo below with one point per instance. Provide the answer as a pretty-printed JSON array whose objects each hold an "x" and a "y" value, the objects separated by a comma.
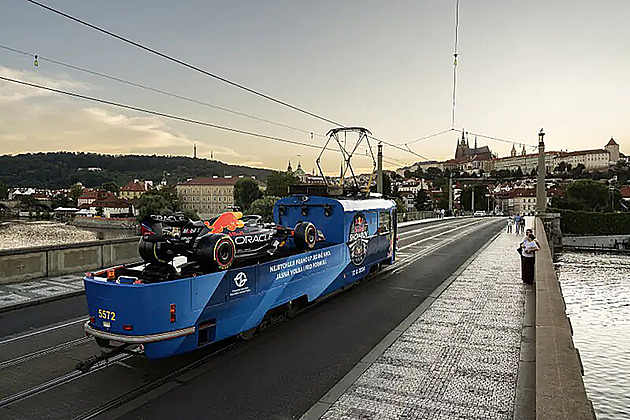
[
  {"x": 140, "y": 133},
  {"x": 12, "y": 92}
]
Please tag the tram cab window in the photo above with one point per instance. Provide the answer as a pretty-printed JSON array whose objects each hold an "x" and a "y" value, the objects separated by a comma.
[{"x": 384, "y": 222}]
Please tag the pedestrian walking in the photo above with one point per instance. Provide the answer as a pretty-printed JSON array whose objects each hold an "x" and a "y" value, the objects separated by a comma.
[
  {"x": 510, "y": 224},
  {"x": 442, "y": 213},
  {"x": 517, "y": 222},
  {"x": 528, "y": 247},
  {"x": 522, "y": 224}
]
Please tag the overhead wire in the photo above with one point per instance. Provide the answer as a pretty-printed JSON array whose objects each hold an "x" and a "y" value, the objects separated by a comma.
[
  {"x": 163, "y": 114},
  {"x": 155, "y": 90},
  {"x": 448, "y": 130},
  {"x": 207, "y": 73},
  {"x": 182, "y": 62},
  {"x": 496, "y": 138},
  {"x": 160, "y": 114},
  {"x": 455, "y": 54}
]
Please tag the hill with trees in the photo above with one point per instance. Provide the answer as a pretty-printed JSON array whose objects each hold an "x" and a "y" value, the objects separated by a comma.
[{"x": 63, "y": 169}]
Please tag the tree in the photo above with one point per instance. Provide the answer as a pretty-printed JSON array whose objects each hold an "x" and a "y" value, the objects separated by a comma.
[
  {"x": 264, "y": 207},
  {"x": 4, "y": 191},
  {"x": 400, "y": 206},
  {"x": 585, "y": 195},
  {"x": 155, "y": 204},
  {"x": 246, "y": 191},
  {"x": 76, "y": 191},
  {"x": 578, "y": 170},
  {"x": 278, "y": 183},
  {"x": 61, "y": 201},
  {"x": 481, "y": 201},
  {"x": 422, "y": 201},
  {"x": 562, "y": 167},
  {"x": 164, "y": 201},
  {"x": 111, "y": 186}
]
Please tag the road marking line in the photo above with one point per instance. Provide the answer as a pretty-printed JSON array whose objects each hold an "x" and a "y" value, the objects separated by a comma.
[{"x": 438, "y": 235}]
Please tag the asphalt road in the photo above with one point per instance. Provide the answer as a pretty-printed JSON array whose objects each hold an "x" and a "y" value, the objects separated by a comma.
[{"x": 277, "y": 375}]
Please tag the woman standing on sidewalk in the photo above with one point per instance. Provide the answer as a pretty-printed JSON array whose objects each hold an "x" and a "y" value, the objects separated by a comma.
[{"x": 528, "y": 257}]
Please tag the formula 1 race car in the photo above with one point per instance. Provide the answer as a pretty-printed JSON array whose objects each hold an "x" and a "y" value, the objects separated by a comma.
[{"x": 217, "y": 243}]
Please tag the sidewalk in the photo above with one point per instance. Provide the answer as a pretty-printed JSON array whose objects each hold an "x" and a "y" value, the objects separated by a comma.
[
  {"x": 16, "y": 295},
  {"x": 458, "y": 359}
]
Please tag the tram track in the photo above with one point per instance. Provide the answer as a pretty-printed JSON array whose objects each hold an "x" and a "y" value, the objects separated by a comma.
[
  {"x": 461, "y": 229},
  {"x": 60, "y": 380},
  {"x": 47, "y": 329},
  {"x": 43, "y": 352}
]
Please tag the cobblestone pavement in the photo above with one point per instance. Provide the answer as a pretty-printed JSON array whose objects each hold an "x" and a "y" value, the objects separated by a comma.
[
  {"x": 13, "y": 294},
  {"x": 460, "y": 359}
]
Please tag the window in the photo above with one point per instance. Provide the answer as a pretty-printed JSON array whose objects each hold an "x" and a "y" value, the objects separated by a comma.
[{"x": 384, "y": 222}]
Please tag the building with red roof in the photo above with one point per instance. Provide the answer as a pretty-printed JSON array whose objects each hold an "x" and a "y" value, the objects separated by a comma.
[{"x": 135, "y": 189}]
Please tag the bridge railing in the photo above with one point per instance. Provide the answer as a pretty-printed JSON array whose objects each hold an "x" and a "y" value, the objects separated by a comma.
[
  {"x": 51, "y": 261},
  {"x": 560, "y": 392}
]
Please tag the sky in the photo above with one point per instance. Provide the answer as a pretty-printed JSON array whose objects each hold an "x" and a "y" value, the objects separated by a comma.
[{"x": 383, "y": 65}]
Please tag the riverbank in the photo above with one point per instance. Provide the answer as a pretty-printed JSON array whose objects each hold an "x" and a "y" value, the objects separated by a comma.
[{"x": 17, "y": 234}]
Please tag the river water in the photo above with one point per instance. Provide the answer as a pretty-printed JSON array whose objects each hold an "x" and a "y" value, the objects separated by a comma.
[
  {"x": 596, "y": 289},
  {"x": 19, "y": 234}
]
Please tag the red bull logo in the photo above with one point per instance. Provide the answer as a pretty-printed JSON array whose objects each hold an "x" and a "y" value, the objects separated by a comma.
[{"x": 229, "y": 220}]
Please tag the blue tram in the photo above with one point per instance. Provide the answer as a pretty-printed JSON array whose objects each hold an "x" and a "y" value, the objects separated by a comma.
[{"x": 185, "y": 312}]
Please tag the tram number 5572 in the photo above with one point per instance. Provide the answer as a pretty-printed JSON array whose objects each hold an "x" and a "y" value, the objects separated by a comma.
[{"x": 108, "y": 315}]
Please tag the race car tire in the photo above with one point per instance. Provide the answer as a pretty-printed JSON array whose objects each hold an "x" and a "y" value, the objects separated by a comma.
[
  {"x": 215, "y": 251},
  {"x": 305, "y": 236},
  {"x": 154, "y": 252}
]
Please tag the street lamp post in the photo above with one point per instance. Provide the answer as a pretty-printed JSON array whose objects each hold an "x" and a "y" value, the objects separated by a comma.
[{"x": 541, "y": 194}]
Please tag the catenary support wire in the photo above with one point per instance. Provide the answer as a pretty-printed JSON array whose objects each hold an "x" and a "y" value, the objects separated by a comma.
[
  {"x": 207, "y": 73},
  {"x": 160, "y": 91}
]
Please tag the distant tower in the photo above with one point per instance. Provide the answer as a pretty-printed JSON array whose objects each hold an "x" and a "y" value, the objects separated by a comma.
[
  {"x": 613, "y": 149},
  {"x": 524, "y": 152},
  {"x": 194, "y": 150},
  {"x": 289, "y": 168},
  {"x": 211, "y": 155},
  {"x": 462, "y": 146},
  {"x": 513, "y": 152},
  {"x": 475, "y": 142}
]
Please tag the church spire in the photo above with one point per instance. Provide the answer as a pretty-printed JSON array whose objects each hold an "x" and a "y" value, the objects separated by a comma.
[
  {"x": 524, "y": 152},
  {"x": 289, "y": 168},
  {"x": 513, "y": 152}
]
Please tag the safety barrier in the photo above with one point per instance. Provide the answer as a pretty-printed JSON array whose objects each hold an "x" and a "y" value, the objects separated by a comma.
[{"x": 51, "y": 261}]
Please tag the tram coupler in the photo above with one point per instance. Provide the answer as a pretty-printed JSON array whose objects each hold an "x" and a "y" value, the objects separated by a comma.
[{"x": 88, "y": 363}]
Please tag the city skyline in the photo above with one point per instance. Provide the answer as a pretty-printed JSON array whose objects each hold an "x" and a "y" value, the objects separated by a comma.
[{"x": 388, "y": 68}]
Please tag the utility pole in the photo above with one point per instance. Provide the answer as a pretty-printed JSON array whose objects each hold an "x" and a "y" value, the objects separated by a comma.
[
  {"x": 472, "y": 194},
  {"x": 450, "y": 193},
  {"x": 541, "y": 193},
  {"x": 379, "y": 169}
]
